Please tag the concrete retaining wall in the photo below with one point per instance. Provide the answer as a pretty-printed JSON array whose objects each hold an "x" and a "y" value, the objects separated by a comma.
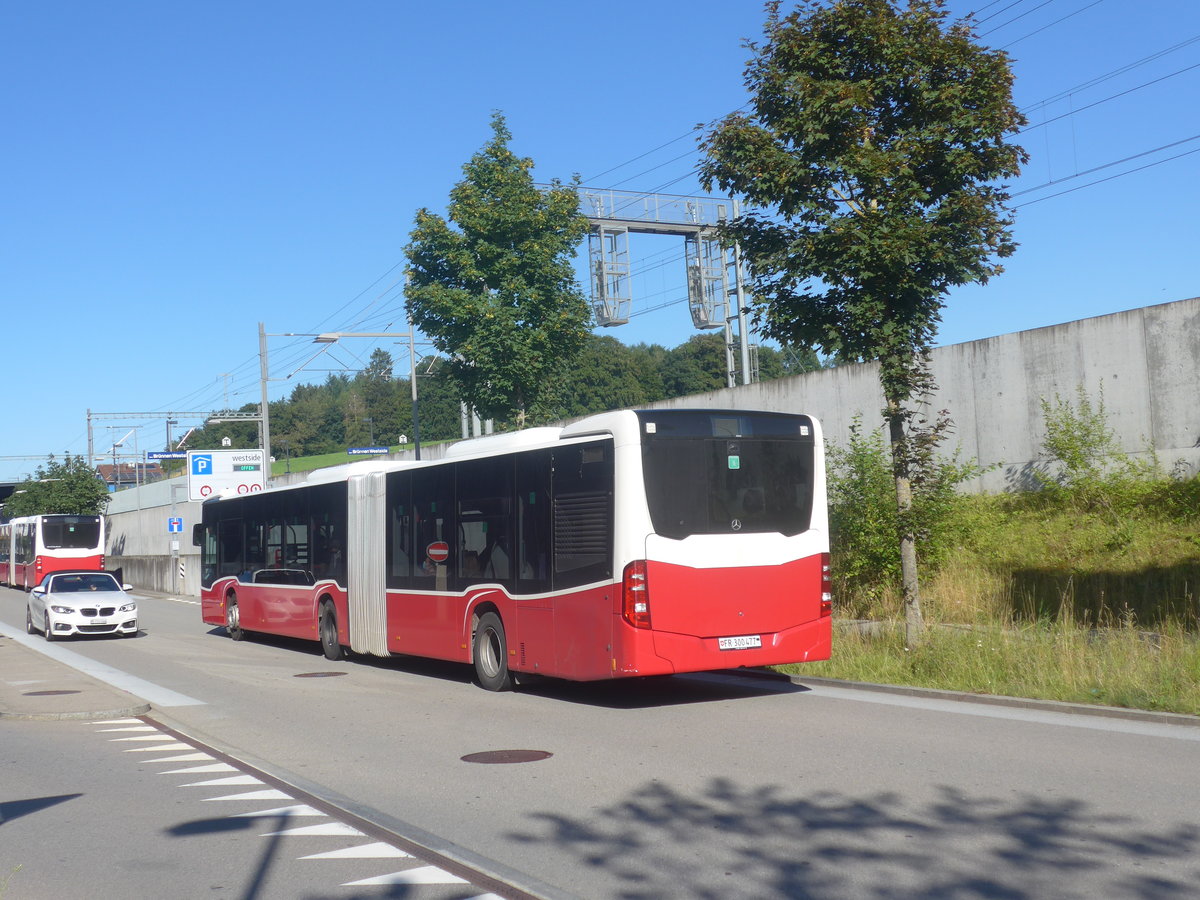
[{"x": 1146, "y": 361}]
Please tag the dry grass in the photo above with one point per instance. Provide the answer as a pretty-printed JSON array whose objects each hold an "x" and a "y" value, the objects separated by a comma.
[
  {"x": 1114, "y": 667},
  {"x": 1096, "y": 604}
]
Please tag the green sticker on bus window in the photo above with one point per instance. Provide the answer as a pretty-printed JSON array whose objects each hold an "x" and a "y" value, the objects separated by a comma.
[{"x": 735, "y": 462}]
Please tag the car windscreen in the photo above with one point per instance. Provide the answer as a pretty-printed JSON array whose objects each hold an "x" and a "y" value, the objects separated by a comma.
[
  {"x": 78, "y": 583},
  {"x": 727, "y": 472},
  {"x": 71, "y": 532}
]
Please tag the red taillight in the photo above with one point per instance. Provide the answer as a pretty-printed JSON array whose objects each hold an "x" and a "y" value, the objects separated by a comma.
[
  {"x": 636, "y": 595},
  {"x": 101, "y": 563},
  {"x": 37, "y": 564},
  {"x": 826, "y": 586}
]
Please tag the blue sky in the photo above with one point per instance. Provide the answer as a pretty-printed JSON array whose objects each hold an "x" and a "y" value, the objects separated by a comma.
[{"x": 176, "y": 173}]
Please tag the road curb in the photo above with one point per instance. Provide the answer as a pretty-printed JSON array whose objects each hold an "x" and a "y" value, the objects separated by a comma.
[
  {"x": 121, "y": 713},
  {"x": 1058, "y": 706}
]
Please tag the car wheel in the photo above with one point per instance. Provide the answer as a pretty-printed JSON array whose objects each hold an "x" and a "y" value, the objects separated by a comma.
[
  {"x": 233, "y": 619},
  {"x": 46, "y": 629},
  {"x": 491, "y": 654},
  {"x": 29, "y": 627},
  {"x": 328, "y": 629}
]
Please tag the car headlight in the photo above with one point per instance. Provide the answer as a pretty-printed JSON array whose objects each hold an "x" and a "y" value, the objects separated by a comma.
[
  {"x": 129, "y": 607},
  {"x": 63, "y": 610}
]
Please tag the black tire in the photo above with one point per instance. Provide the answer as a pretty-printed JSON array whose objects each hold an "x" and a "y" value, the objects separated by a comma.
[
  {"x": 490, "y": 652},
  {"x": 233, "y": 618},
  {"x": 29, "y": 629},
  {"x": 46, "y": 629},
  {"x": 328, "y": 630}
]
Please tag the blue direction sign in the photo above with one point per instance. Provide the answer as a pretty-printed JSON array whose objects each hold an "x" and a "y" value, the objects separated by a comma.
[
  {"x": 166, "y": 454},
  {"x": 175, "y": 525},
  {"x": 366, "y": 451}
]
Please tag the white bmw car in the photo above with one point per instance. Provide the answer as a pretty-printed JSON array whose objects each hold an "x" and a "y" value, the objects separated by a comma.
[{"x": 86, "y": 603}]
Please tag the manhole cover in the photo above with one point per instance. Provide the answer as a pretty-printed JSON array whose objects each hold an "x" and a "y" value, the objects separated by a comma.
[
  {"x": 507, "y": 756},
  {"x": 319, "y": 674},
  {"x": 47, "y": 693}
]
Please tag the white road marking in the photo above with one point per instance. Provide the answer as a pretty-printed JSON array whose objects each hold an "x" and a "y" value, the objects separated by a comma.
[
  {"x": 377, "y": 850},
  {"x": 151, "y": 738},
  {"x": 183, "y": 757},
  {"x": 228, "y": 782},
  {"x": 328, "y": 829},
  {"x": 201, "y": 770},
  {"x": 300, "y": 809},
  {"x": 131, "y": 728},
  {"x": 271, "y": 794},
  {"x": 420, "y": 875}
]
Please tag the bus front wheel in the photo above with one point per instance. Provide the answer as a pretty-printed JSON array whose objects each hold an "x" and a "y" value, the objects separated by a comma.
[
  {"x": 233, "y": 619},
  {"x": 491, "y": 654},
  {"x": 328, "y": 629}
]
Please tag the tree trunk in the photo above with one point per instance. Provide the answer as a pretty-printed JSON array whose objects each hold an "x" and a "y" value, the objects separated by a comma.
[{"x": 914, "y": 622}]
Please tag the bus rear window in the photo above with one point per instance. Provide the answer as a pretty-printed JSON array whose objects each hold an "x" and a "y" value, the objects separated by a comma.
[
  {"x": 71, "y": 533},
  {"x": 727, "y": 473}
]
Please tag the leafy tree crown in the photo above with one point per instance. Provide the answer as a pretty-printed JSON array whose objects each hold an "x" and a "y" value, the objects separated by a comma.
[
  {"x": 869, "y": 158},
  {"x": 493, "y": 285}
]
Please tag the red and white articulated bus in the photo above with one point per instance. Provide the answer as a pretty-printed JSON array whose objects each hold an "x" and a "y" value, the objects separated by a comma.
[
  {"x": 625, "y": 544},
  {"x": 31, "y": 547}
]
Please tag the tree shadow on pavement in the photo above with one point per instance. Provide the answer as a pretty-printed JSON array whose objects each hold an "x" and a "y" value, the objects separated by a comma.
[{"x": 769, "y": 842}]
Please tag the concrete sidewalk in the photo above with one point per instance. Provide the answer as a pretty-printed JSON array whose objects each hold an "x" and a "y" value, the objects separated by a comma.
[{"x": 34, "y": 686}]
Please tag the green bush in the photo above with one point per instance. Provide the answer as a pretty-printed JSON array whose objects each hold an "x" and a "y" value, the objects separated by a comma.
[
  {"x": 865, "y": 524},
  {"x": 1088, "y": 466}
]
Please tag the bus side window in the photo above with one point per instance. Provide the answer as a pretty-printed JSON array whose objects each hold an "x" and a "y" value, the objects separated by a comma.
[
  {"x": 533, "y": 543},
  {"x": 484, "y": 520},
  {"x": 583, "y": 514},
  {"x": 433, "y": 524},
  {"x": 399, "y": 530}
]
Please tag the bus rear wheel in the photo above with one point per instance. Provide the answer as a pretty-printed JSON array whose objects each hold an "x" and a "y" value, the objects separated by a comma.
[
  {"x": 491, "y": 654},
  {"x": 233, "y": 619},
  {"x": 328, "y": 629}
]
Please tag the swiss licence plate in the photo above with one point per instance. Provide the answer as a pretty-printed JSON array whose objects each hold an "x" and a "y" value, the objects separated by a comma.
[
  {"x": 741, "y": 642},
  {"x": 99, "y": 621}
]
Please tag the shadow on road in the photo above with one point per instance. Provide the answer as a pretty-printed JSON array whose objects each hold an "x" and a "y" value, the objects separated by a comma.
[
  {"x": 14, "y": 809},
  {"x": 772, "y": 842}
]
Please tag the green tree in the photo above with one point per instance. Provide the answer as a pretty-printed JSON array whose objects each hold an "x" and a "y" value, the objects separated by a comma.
[
  {"x": 695, "y": 366},
  {"x": 607, "y": 375},
  {"x": 498, "y": 293},
  {"x": 70, "y": 486},
  {"x": 868, "y": 161}
]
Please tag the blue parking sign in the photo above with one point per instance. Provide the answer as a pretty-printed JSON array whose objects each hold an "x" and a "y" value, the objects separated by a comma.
[{"x": 202, "y": 464}]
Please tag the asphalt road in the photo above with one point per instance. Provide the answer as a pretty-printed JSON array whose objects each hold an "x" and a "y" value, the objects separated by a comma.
[{"x": 698, "y": 786}]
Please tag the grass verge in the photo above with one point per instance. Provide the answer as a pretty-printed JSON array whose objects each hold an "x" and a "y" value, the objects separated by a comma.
[{"x": 1063, "y": 661}]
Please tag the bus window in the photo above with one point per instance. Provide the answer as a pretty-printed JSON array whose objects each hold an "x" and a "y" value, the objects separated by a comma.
[
  {"x": 70, "y": 532},
  {"x": 327, "y": 511},
  {"x": 484, "y": 550},
  {"x": 533, "y": 522},
  {"x": 717, "y": 474},
  {"x": 583, "y": 513},
  {"x": 399, "y": 530},
  {"x": 435, "y": 534},
  {"x": 231, "y": 549}
]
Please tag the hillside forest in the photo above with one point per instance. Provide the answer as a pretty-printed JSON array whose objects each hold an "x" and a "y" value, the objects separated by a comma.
[{"x": 374, "y": 405}]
